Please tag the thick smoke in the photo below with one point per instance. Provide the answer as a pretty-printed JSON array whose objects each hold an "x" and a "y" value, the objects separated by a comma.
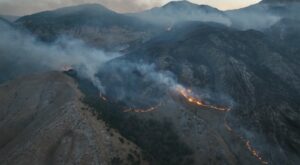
[
  {"x": 22, "y": 54},
  {"x": 139, "y": 83},
  {"x": 161, "y": 78}
]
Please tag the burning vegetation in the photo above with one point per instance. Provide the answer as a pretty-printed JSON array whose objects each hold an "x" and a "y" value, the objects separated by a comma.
[
  {"x": 247, "y": 143},
  {"x": 192, "y": 99},
  {"x": 151, "y": 109},
  {"x": 255, "y": 153},
  {"x": 117, "y": 120}
]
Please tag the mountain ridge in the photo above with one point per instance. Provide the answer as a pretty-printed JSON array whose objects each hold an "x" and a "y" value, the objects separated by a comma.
[
  {"x": 92, "y": 23},
  {"x": 180, "y": 11},
  {"x": 52, "y": 125},
  {"x": 279, "y": 1}
]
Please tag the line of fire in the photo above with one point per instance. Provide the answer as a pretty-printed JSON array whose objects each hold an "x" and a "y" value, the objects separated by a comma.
[{"x": 190, "y": 98}]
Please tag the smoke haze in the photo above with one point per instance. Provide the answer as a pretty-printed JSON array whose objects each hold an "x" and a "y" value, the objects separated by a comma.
[
  {"x": 22, "y": 54},
  {"x": 255, "y": 17},
  {"x": 24, "y": 7}
]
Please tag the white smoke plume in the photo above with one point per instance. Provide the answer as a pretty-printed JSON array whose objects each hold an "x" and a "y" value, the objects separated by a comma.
[{"x": 21, "y": 54}]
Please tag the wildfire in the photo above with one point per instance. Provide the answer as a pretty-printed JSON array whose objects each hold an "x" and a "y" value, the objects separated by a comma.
[
  {"x": 189, "y": 96},
  {"x": 151, "y": 109},
  {"x": 192, "y": 99},
  {"x": 255, "y": 153},
  {"x": 251, "y": 149}
]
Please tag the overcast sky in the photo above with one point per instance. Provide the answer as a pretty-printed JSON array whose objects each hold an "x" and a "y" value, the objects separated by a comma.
[{"x": 23, "y": 7}]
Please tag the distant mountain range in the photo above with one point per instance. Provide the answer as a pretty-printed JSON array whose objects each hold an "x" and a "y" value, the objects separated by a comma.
[
  {"x": 279, "y": 1},
  {"x": 190, "y": 84},
  {"x": 93, "y": 23},
  {"x": 179, "y": 11},
  {"x": 263, "y": 15}
]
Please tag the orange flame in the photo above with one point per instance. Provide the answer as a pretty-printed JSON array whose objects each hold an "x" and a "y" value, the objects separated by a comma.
[
  {"x": 255, "y": 153},
  {"x": 189, "y": 96}
]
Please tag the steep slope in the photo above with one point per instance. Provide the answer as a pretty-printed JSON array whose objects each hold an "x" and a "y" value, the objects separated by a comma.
[
  {"x": 42, "y": 121},
  {"x": 4, "y": 21},
  {"x": 263, "y": 15},
  {"x": 93, "y": 23},
  {"x": 178, "y": 11},
  {"x": 259, "y": 78},
  {"x": 286, "y": 30},
  {"x": 9, "y": 18}
]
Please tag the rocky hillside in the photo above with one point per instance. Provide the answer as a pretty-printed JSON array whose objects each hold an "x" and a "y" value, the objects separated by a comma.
[
  {"x": 9, "y": 18},
  {"x": 259, "y": 77},
  {"x": 197, "y": 86},
  {"x": 44, "y": 122},
  {"x": 179, "y": 11},
  {"x": 287, "y": 30},
  {"x": 92, "y": 23},
  {"x": 265, "y": 14}
]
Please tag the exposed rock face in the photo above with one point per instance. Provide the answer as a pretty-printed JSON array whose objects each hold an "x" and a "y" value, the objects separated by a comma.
[{"x": 42, "y": 121}]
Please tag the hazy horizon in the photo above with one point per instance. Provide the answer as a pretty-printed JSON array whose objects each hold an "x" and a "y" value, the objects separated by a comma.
[{"x": 25, "y": 7}]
